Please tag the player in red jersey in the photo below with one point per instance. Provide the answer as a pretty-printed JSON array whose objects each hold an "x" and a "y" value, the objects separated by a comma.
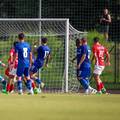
[
  {"x": 99, "y": 53},
  {"x": 10, "y": 72}
]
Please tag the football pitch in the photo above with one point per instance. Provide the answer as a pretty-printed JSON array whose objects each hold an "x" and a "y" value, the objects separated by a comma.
[{"x": 59, "y": 107}]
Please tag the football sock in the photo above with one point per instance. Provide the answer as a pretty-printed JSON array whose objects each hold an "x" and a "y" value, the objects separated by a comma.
[
  {"x": 4, "y": 84},
  {"x": 84, "y": 83},
  {"x": 11, "y": 87},
  {"x": 38, "y": 81},
  {"x": 8, "y": 87},
  {"x": 29, "y": 84},
  {"x": 33, "y": 85},
  {"x": 19, "y": 85},
  {"x": 98, "y": 87},
  {"x": 102, "y": 85}
]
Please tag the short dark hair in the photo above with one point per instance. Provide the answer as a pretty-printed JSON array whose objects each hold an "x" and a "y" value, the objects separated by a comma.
[
  {"x": 84, "y": 39},
  {"x": 96, "y": 39},
  {"x": 21, "y": 35},
  {"x": 44, "y": 40},
  {"x": 14, "y": 44},
  {"x": 77, "y": 41}
]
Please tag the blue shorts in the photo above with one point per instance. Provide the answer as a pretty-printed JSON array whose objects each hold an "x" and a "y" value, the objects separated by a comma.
[
  {"x": 84, "y": 73},
  {"x": 35, "y": 67},
  {"x": 22, "y": 70}
]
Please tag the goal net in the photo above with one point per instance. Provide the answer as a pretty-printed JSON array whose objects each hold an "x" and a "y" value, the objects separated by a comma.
[{"x": 60, "y": 75}]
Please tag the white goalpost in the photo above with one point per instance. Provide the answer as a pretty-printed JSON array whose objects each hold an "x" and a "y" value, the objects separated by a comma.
[{"x": 60, "y": 76}]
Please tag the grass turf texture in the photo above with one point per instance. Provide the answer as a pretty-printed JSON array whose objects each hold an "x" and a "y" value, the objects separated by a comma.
[{"x": 59, "y": 107}]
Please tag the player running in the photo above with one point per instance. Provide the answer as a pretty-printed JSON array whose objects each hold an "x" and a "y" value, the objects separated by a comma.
[
  {"x": 4, "y": 83},
  {"x": 99, "y": 53},
  {"x": 10, "y": 72},
  {"x": 43, "y": 53},
  {"x": 23, "y": 52},
  {"x": 84, "y": 65}
]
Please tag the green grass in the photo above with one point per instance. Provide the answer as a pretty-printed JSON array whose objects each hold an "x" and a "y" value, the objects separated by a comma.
[{"x": 59, "y": 107}]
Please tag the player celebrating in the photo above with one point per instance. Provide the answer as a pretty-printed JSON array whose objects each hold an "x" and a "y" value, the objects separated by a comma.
[
  {"x": 43, "y": 53},
  {"x": 84, "y": 65},
  {"x": 99, "y": 52},
  {"x": 3, "y": 80},
  {"x": 23, "y": 52},
  {"x": 10, "y": 72}
]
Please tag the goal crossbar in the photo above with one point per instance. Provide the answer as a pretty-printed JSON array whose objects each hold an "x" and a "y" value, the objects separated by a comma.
[{"x": 33, "y": 19}]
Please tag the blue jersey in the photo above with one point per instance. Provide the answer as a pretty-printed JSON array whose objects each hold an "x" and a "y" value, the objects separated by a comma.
[
  {"x": 42, "y": 52},
  {"x": 23, "y": 49},
  {"x": 84, "y": 49}
]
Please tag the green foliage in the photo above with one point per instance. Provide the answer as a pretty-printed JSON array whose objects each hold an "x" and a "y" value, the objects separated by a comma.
[{"x": 92, "y": 34}]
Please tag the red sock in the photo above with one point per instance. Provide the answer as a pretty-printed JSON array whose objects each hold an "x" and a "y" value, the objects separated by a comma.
[
  {"x": 102, "y": 85},
  {"x": 98, "y": 87},
  {"x": 11, "y": 87},
  {"x": 33, "y": 84},
  {"x": 8, "y": 87}
]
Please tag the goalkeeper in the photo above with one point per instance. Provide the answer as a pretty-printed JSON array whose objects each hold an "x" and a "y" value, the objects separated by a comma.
[{"x": 43, "y": 56}]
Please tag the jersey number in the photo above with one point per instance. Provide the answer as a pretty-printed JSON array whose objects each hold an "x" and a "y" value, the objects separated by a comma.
[
  {"x": 46, "y": 54},
  {"x": 25, "y": 52}
]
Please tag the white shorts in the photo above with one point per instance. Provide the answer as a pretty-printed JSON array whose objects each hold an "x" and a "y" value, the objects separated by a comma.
[
  {"x": 98, "y": 69},
  {"x": 13, "y": 71}
]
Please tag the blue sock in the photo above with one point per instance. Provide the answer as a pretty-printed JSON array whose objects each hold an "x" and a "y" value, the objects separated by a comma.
[
  {"x": 84, "y": 83},
  {"x": 19, "y": 85},
  {"x": 38, "y": 81},
  {"x": 87, "y": 81},
  {"x": 29, "y": 84}
]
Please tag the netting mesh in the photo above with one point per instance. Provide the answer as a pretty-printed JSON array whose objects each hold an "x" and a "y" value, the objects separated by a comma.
[{"x": 55, "y": 31}]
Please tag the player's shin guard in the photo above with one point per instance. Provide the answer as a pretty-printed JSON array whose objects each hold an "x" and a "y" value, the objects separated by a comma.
[
  {"x": 98, "y": 87},
  {"x": 11, "y": 87},
  {"x": 8, "y": 87},
  {"x": 33, "y": 84},
  {"x": 38, "y": 81},
  {"x": 19, "y": 85},
  {"x": 29, "y": 84},
  {"x": 84, "y": 83}
]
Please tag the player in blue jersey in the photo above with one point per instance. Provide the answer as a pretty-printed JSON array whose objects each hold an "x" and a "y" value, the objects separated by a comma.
[
  {"x": 84, "y": 65},
  {"x": 23, "y": 52},
  {"x": 43, "y": 56}
]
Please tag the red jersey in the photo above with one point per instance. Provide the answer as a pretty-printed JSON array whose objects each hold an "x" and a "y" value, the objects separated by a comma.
[
  {"x": 99, "y": 52},
  {"x": 12, "y": 53}
]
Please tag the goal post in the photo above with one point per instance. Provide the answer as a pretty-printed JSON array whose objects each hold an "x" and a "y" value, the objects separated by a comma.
[
  {"x": 60, "y": 76},
  {"x": 66, "y": 55}
]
